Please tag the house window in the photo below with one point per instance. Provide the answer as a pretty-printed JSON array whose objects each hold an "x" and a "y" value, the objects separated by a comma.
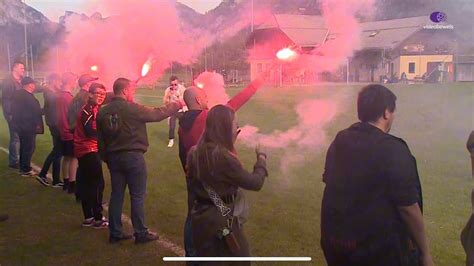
[
  {"x": 259, "y": 68},
  {"x": 411, "y": 68}
]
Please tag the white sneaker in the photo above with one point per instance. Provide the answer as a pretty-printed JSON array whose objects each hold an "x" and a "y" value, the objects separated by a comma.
[{"x": 171, "y": 143}]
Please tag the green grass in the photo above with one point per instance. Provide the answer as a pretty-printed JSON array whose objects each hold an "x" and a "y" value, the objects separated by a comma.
[{"x": 435, "y": 120}]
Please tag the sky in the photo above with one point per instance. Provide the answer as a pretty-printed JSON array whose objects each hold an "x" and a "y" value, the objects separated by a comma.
[{"x": 53, "y": 9}]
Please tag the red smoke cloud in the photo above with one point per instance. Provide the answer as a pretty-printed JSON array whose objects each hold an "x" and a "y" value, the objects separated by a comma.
[
  {"x": 213, "y": 84},
  {"x": 313, "y": 114}
]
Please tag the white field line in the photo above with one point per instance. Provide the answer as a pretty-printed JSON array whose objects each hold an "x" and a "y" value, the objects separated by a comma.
[{"x": 163, "y": 242}]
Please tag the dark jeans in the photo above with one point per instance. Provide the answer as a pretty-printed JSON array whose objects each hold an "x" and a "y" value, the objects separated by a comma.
[
  {"x": 27, "y": 147},
  {"x": 188, "y": 229},
  {"x": 13, "y": 146},
  {"x": 172, "y": 124},
  {"x": 127, "y": 168},
  {"x": 54, "y": 157},
  {"x": 92, "y": 185}
]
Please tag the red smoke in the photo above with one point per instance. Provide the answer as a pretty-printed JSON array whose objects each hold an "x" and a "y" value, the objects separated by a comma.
[
  {"x": 213, "y": 84},
  {"x": 120, "y": 44}
]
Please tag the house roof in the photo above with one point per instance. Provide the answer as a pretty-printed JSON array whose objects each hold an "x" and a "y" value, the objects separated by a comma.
[
  {"x": 305, "y": 30},
  {"x": 389, "y": 33}
]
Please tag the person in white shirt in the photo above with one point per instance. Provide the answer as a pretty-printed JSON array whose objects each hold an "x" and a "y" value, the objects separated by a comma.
[{"x": 174, "y": 93}]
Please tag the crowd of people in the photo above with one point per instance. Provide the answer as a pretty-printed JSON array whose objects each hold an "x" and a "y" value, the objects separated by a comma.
[
  {"x": 372, "y": 204},
  {"x": 94, "y": 126}
]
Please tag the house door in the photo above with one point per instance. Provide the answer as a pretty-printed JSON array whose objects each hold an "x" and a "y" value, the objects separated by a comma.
[{"x": 432, "y": 66}]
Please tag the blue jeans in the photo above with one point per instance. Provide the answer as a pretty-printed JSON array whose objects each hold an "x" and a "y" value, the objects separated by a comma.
[
  {"x": 127, "y": 168},
  {"x": 13, "y": 146},
  {"x": 27, "y": 148},
  {"x": 54, "y": 157}
]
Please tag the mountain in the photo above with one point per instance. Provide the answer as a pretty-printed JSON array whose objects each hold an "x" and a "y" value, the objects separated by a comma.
[
  {"x": 14, "y": 15},
  {"x": 222, "y": 20}
]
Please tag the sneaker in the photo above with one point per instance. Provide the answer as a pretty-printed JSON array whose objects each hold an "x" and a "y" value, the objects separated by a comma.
[
  {"x": 58, "y": 184},
  {"x": 114, "y": 239},
  {"x": 101, "y": 224},
  {"x": 43, "y": 181},
  {"x": 13, "y": 166},
  {"x": 171, "y": 143},
  {"x": 147, "y": 237},
  {"x": 88, "y": 222},
  {"x": 30, "y": 173}
]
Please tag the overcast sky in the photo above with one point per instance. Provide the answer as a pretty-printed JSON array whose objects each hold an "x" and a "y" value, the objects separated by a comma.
[{"x": 55, "y": 8}]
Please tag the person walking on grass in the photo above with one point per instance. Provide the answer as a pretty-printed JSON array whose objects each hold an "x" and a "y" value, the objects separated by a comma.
[
  {"x": 173, "y": 93},
  {"x": 86, "y": 149},
  {"x": 54, "y": 157},
  {"x": 372, "y": 203},
  {"x": 123, "y": 140},
  {"x": 9, "y": 86},
  {"x": 27, "y": 123}
]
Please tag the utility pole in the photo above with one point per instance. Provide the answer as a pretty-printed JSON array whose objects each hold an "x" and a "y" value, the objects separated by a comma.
[
  {"x": 26, "y": 41},
  {"x": 251, "y": 24},
  {"x": 205, "y": 59},
  {"x": 32, "y": 65},
  {"x": 9, "y": 60}
]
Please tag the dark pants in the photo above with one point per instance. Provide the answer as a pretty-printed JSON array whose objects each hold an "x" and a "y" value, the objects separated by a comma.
[
  {"x": 13, "y": 145},
  {"x": 188, "y": 229},
  {"x": 79, "y": 186},
  {"x": 92, "y": 185},
  {"x": 54, "y": 157},
  {"x": 382, "y": 252},
  {"x": 127, "y": 168},
  {"x": 27, "y": 148},
  {"x": 172, "y": 124}
]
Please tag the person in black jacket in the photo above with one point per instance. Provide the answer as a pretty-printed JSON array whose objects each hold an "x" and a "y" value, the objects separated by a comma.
[
  {"x": 372, "y": 205},
  {"x": 9, "y": 86},
  {"x": 27, "y": 122},
  {"x": 50, "y": 115}
]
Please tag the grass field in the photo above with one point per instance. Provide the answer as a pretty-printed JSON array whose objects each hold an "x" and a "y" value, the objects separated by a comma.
[{"x": 435, "y": 120}]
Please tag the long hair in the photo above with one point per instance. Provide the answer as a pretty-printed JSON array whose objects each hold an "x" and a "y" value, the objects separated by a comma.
[
  {"x": 216, "y": 139},
  {"x": 218, "y": 130}
]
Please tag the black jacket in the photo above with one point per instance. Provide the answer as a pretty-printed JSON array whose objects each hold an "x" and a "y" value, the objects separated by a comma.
[
  {"x": 50, "y": 114},
  {"x": 368, "y": 173},
  {"x": 8, "y": 87},
  {"x": 27, "y": 113},
  {"x": 121, "y": 125}
]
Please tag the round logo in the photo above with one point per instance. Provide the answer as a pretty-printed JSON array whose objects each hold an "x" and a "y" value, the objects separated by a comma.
[{"x": 438, "y": 17}]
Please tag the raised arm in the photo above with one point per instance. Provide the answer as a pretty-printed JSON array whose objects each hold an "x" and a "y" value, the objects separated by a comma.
[
  {"x": 244, "y": 95},
  {"x": 149, "y": 114},
  {"x": 237, "y": 175}
]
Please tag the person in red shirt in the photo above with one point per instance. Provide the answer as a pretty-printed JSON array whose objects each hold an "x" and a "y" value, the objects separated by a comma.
[
  {"x": 64, "y": 100},
  {"x": 86, "y": 149}
]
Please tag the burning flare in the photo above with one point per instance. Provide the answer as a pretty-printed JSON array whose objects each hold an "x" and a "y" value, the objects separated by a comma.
[
  {"x": 94, "y": 68},
  {"x": 286, "y": 54},
  {"x": 146, "y": 67}
]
